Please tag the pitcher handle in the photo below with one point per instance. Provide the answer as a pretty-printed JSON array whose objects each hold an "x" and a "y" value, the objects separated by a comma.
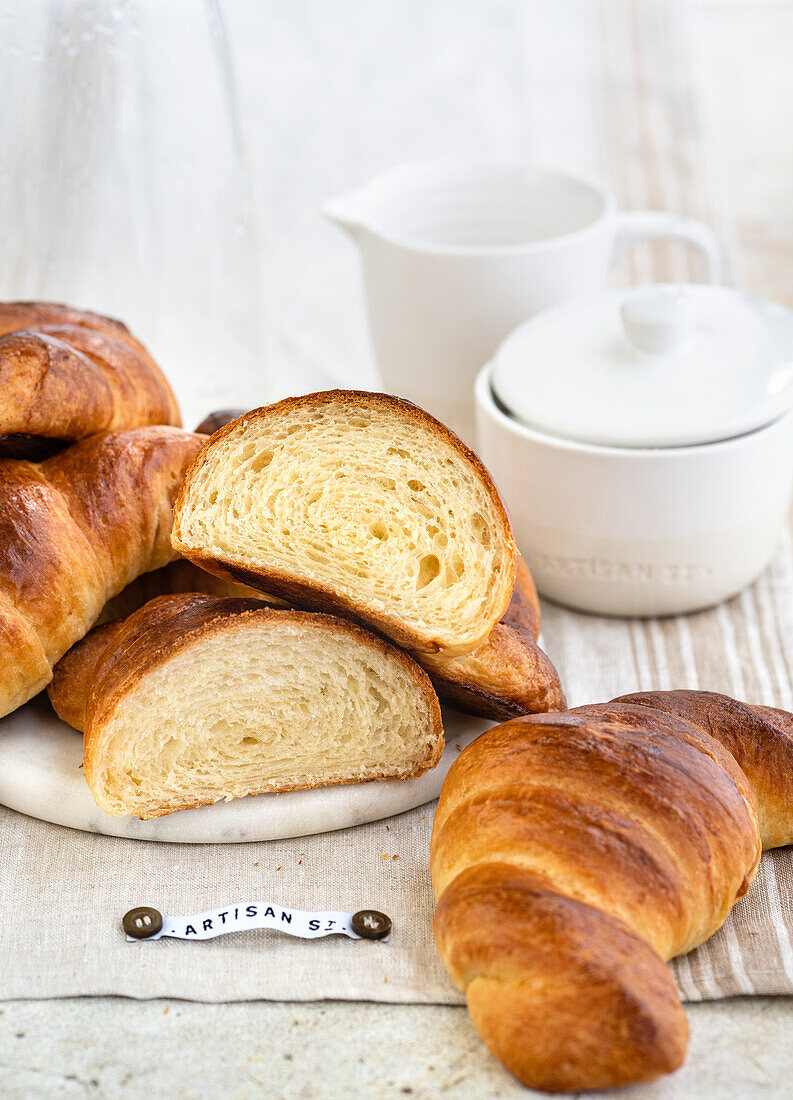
[{"x": 648, "y": 225}]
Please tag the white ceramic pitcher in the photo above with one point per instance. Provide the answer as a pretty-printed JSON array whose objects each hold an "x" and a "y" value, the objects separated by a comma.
[{"x": 456, "y": 254}]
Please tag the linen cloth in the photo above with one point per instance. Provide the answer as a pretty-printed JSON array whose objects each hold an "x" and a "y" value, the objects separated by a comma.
[{"x": 64, "y": 892}]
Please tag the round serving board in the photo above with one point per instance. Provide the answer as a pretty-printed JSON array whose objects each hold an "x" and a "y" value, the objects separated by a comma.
[{"x": 41, "y": 775}]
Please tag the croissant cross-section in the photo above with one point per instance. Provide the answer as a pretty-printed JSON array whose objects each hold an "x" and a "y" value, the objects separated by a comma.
[
  {"x": 359, "y": 504},
  {"x": 199, "y": 698}
]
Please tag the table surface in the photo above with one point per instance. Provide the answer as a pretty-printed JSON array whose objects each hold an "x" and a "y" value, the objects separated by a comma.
[{"x": 679, "y": 106}]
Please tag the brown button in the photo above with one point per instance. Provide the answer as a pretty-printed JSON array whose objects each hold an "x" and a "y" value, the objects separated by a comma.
[
  {"x": 371, "y": 925},
  {"x": 142, "y": 922}
]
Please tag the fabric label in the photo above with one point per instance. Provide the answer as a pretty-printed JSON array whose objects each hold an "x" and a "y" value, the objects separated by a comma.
[{"x": 257, "y": 914}]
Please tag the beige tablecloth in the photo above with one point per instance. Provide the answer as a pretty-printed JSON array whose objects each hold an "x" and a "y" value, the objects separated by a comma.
[{"x": 64, "y": 892}]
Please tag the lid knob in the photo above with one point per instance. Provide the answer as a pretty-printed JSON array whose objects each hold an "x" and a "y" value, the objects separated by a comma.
[{"x": 657, "y": 320}]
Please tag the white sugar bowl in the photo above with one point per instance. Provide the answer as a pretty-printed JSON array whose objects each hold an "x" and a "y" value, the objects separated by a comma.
[{"x": 643, "y": 443}]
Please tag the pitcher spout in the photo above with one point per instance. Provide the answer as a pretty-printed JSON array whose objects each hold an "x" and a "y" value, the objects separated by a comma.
[{"x": 348, "y": 212}]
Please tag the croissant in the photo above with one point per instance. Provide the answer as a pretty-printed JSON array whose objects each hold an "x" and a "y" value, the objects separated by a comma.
[
  {"x": 359, "y": 504},
  {"x": 74, "y": 530},
  {"x": 524, "y": 606},
  {"x": 66, "y": 374},
  {"x": 572, "y": 854},
  {"x": 74, "y": 673},
  {"x": 176, "y": 577},
  {"x": 199, "y": 699},
  {"x": 508, "y": 675}
]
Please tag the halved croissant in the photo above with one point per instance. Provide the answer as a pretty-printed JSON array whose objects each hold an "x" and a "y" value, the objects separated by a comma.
[
  {"x": 524, "y": 606},
  {"x": 200, "y": 699},
  {"x": 572, "y": 854},
  {"x": 356, "y": 503},
  {"x": 74, "y": 531},
  {"x": 177, "y": 577},
  {"x": 73, "y": 675},
  {"x": 508, "y": 675},
  {"x": 66, "y": 374}
]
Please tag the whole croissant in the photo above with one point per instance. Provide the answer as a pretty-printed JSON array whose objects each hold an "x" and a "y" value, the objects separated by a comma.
[
  {"x": 74, "y": 531},
  {"x": 574, "y": 853},
  {"x": 66, "y": 374}
]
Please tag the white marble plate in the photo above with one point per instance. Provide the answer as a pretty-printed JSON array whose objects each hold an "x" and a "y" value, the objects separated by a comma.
[{"x": 41, "y": 775}]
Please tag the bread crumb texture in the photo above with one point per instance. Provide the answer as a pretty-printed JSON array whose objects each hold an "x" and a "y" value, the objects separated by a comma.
[
  {"x": 261, "y": 701},
  {"x": 365, "y": 500}
]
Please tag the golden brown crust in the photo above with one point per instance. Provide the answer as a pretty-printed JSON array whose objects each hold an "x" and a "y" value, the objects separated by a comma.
[
  {"x": 759, "y": 738},
  {"x": 66, "y": 374},
  {"x": 169, "y": 624},
  {"x": 509, "y": 675},
  {"x": 538, "y": 968},
  {"x": 524, "y": 607},
  {"x": 315, "y": 596},
  {"x": 506, "y": 677},
  {"x": 587, "y": 847},
  {"x": 74, "y": 530},
  {"x": 73, "y": 675},
  {"x": 176, "y": 577},
  {"x": 537, "y": 786},
  {"x": 17, "y": 315}
]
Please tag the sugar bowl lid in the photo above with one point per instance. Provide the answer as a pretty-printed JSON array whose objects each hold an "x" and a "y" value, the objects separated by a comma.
[{"x": 661, "y": 366}]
